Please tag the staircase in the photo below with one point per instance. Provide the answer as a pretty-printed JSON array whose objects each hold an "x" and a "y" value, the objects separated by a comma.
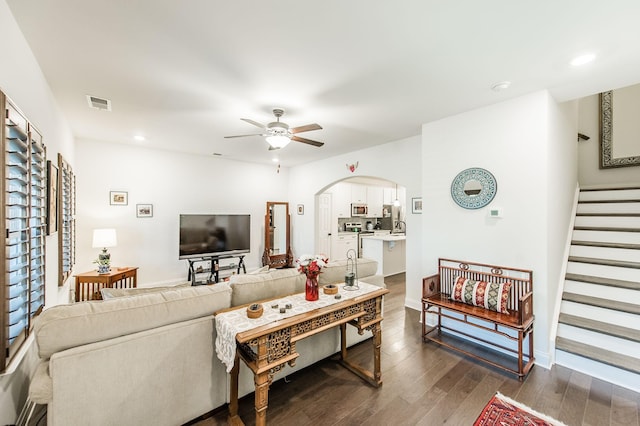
[{"x": 599, "y": 323}]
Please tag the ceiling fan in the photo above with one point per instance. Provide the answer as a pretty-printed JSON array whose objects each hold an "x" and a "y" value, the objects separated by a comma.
[{"x": 279, "y": 134}]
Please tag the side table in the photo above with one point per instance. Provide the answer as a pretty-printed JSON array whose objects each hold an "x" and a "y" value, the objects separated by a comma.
[{"x": 89, "y": 284}]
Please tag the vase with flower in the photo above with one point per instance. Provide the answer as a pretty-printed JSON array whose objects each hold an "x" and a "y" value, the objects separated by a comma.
[{"x": 311, "y": 266}]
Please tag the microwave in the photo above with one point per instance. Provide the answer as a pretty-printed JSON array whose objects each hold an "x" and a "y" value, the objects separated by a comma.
[{"x": 358, "y": 209}]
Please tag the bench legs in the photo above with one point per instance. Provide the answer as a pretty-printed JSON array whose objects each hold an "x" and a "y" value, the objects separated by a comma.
[{"x": 434, "y": 334}]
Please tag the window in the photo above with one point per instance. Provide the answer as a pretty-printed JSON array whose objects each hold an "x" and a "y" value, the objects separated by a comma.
[
  {"x": 23, "y": 216},
  {"x": 66, "y": 220}
]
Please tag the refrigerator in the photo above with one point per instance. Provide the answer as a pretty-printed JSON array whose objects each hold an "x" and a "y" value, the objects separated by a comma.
[{"x": 390, "y": 216}]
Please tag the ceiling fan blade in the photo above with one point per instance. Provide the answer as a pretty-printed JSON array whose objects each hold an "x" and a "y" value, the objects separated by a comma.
[
  {"x": 242, "y": 136},
  {"x": 306, "y": 128},
  {"x": 307, "y": 141},
  {"x": 255, "y": 123}
]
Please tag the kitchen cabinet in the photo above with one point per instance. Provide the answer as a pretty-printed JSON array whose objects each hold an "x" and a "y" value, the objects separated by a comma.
[
  {"x": 358, "y": 193},
  {"x": 374, "y": 200},
  {"x": 388, "y": 195},
  {"x": 342, "y": 199},
  {"x": 343, "y": 242}
]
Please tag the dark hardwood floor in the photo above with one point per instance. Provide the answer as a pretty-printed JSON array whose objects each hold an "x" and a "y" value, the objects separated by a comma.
[{"x": 425, "y": 384}]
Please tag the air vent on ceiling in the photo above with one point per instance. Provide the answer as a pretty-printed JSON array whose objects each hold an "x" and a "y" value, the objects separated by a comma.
[{"x": 99, "y": 103}]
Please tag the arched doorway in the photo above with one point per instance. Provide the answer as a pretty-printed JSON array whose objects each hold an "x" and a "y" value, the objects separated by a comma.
[{"x": 351, "y": 211}]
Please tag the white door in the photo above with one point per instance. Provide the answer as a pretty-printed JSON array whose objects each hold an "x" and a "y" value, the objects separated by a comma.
[{"x": 324, "y": 225}]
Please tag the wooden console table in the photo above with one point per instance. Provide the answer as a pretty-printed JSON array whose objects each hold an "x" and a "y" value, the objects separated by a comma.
[
  {"x": 89, "y": 284},
  {"x": 268, "y": 348}
]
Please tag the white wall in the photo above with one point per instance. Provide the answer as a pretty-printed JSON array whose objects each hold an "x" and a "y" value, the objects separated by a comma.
[
  {"x": 173, "y": 183},
  {"x": 397, "y": 161},
  {"x": 22, "y": 80},
  {"x": 589, "y": 172},
  {"x": 526, "y": 143}
]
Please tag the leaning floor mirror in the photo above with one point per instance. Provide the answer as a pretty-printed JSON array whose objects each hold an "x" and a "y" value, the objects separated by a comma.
[{"x": 277, "y": 243}]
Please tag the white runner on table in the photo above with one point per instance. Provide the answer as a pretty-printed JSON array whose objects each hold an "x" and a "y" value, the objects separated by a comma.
[{"x": 229, "y": 324}]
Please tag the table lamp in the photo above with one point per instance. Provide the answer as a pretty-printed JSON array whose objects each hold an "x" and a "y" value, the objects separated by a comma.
[{"x": 104, "y": 238}]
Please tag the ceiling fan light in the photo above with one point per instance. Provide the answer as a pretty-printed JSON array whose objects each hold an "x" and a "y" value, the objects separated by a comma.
[{"x": 278, "y": 141}]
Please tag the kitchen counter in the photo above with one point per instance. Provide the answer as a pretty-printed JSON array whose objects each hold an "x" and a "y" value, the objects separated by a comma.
[
  {"x": 387, "y": 237},
  {"x": 388, "y": 250}
]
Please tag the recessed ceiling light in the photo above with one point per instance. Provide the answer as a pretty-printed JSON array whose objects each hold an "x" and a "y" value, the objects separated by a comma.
[
  {"x": 583, "y": 59},
  {"x": 503, "y": 85},
  {"x": 275, "y": 159},
  {"x": 139, "y": 138}
]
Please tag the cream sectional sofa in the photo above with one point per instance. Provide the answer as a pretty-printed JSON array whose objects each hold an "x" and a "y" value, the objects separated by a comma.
[{"x": 147, "y": 356}]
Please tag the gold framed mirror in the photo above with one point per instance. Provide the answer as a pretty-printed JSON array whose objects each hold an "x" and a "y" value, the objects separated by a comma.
[{"x": 277, "y": 241}]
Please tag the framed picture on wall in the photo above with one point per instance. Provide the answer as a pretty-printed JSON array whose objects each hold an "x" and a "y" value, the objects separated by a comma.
[
  {"x": 416, "y": 205},
  {"x": 300, "y": 208},
  {"x": 144, "y": 210},
  {"x": 118, "y": 198},
  {"x": 52, "y": 198}
]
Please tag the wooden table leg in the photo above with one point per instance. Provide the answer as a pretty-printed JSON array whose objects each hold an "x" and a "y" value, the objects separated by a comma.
[
  {"x": 261, "y": 381},
  {"x": 377, "y": 343},
  {"x": 343, "y": 341},
  {"x": 234, "y": 419}
]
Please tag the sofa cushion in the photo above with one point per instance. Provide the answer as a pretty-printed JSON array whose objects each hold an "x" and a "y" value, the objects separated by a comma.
[
  {"x": 110, "y": 293},
  {"x": 249, "y": 288},
  {"x": 335, "y": 270},
  {"x": 41, "y": 387},
  {"x": 66, "y": 326},
  {"x": 489, "y": 295}
]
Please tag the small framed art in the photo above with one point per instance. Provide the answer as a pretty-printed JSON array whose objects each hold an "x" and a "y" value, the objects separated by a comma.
[
  {"x": 416, "y": 205},
  {"x": 144, "y": 210},
  {"x": 118, "y": 198},
  {"x": 300, "y": 208}
]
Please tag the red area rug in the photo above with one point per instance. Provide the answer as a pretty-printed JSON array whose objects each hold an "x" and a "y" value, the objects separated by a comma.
[{"x": 501, "y": 410}]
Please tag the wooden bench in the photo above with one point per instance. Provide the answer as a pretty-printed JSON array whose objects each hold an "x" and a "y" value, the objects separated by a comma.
[{"x": 512, "y": 327}]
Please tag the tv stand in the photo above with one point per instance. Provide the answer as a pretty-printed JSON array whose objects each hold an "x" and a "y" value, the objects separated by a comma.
[{"x": 210, "y": 265}]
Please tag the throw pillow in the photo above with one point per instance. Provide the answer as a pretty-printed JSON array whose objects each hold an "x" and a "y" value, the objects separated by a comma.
[{"x": 492, "y": 296}]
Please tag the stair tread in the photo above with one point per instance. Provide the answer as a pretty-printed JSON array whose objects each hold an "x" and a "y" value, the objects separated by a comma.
[
  {"x": 598, "y": 354},
  {"x": 605, "y": 244},
  {"x": 607, "y": 201},
  {"x": 605, "y": 228},
  {"x": 602, "y": 214},
  {"x": 603, "y": 281},
  {"x": 601, "y": 327},
  {"x": 605, "y": 262},
  {"x": 615, "y": 188},
  {"x": 631, "y": 308}
]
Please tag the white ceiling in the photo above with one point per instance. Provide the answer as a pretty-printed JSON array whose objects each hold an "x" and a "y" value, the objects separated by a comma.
[{"x": 183, "y": 73}]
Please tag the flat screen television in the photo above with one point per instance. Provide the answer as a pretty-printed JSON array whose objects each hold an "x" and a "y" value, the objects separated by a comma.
[{"x": 203, "y": 235}]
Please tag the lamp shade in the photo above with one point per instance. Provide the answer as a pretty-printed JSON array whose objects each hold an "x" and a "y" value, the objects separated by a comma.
[
  {"x": 278, "y": 141},
  {"x": 103, "y": 238}
]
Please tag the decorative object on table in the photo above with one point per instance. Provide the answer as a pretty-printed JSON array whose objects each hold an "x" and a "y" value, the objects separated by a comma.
[
  {"x": 118, "y": 198},
  {"x": 311, "y": 266},
  {"x": 352, "y": 167},
  {"x": 104, "y": 238},
  {"x": 255, "y": 310},
  {"x": 501, "y": 410},
  {"x": 301, "y": 209},
  {"x": 144, "y": 210},
  {"x": 351, "y": 276},
  {"x": 473, "y": 188},
  {"x": 416, "y": 205},
  {"x": 330, "y": 289}
]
